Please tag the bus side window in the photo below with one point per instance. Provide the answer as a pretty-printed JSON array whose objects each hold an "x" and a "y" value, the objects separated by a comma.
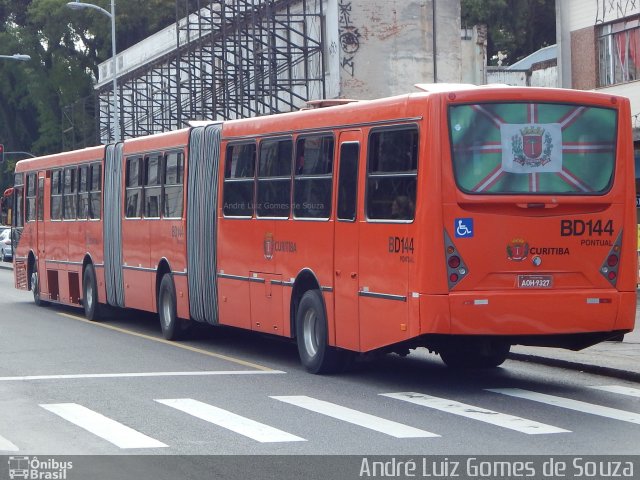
[
  {"x": 172, "y": 190},
  {"x": 18, "y": 200},
  {"x": 274, "y": 178},
  {"x": 30, "y": 205},
  {"x": 95, "y": 190},
  {"x": 56, "y": 195},
  {"x": 348, "y": 181},
  {"x": 69, "y": 193},
  {"x": 83, "y": 192},
  {"x": 152, "y": 186},
  {"x": 239, "y": 180},
  {"x": 392, "y": 174},
  {"x": 133, "y": 182},
  {"x": 313, "y": 177},
  {"x": 40, "y": 207}
]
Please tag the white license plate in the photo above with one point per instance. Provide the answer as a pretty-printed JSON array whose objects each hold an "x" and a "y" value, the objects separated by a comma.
[{"x": 535, "y": 281}]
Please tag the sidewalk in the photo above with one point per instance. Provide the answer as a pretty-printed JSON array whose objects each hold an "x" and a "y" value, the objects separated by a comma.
[{"x": 614, "y": 359}]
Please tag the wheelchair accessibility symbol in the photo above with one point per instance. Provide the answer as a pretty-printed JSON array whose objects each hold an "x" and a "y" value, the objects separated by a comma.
[{"x": 464, "y": 227}]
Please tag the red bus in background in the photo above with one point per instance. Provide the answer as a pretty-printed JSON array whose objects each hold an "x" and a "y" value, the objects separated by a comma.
[{"x": 461, "y": 219}]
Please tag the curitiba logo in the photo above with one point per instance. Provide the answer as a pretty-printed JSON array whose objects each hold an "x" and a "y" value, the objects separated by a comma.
[{"x": 528, "y": 149}]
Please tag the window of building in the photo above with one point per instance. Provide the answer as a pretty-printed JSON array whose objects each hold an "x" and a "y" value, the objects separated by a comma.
[
  {"x": 239, "y": 180},
  {"x": 274, "y": 178},
  {"x": 619, "y": 52},
  {"x": 173, "y": 179},
  {"x": 133, "y": 182},
  {"x": 392, "y": 170},
  {"x": 313, "y": 177}
]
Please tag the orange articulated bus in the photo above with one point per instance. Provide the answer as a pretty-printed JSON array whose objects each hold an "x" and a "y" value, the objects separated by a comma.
[{"x": 462, "y": 219}]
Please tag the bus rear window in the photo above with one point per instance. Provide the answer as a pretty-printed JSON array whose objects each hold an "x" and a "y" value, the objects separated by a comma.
[{"x": 533, "y": 148}]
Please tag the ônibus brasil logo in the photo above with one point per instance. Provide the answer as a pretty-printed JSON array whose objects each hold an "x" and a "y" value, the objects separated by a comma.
[{"x": 36, "y": 469}]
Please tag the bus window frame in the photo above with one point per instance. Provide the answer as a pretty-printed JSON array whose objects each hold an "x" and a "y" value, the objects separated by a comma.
[
  {"x": 138, "y": 158},
  {"x": 275, "y": 138},
  {"x": 393, "y": 127},
  {"x": 253, "y": 179},
  {"x": 180, "y": 173},
  {"x": 57, "y": 193},
  {"x": 160, "y": 157},
  {"x": 358, "y": 146},
  {"x": 295, "y": 176}
]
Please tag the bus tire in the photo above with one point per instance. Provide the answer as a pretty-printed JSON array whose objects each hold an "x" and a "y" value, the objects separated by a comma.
[
  {"x": 167, "y": 309},
  {"x": 467, "y": 356},
  {"x": 35, "y": 289},
  {"x": 90, "y": 303},
  {"x": 312, "y": 335}
]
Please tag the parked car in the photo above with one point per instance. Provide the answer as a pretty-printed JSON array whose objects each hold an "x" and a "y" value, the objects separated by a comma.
[{"x": 5, "y": 244}]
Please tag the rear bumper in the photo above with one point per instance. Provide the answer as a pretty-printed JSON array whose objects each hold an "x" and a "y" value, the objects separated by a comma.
[{"x": 532, "y": 313}]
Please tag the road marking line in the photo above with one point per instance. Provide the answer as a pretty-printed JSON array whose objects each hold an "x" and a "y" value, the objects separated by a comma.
[
  {"x": 96, "y": 423},
  {"x": 167, "y": 342},
  {"x": 231, "y": 421},
  {"x": 356, "y": 417},
  {"x": 633, "y": 392},
  {"x": 512, "y": 422},
  {"x": 139, "y": 374},
  {"x": 570, "y": 404},
  {"x": 7, "y": 446}
]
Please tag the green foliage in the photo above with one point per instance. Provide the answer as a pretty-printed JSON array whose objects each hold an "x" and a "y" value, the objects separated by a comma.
[{"x": 515, "y": 27}]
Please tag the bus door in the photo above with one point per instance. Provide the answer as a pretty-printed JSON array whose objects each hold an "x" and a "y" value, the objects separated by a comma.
[
  {"x": 387, "y": 235},
  {"x": 346, "y": 243}
]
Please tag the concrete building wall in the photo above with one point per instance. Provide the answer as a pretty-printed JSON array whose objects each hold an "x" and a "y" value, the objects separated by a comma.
[
  {"x": 387, "y": 46},
  {"x": 473, "y": 56}
]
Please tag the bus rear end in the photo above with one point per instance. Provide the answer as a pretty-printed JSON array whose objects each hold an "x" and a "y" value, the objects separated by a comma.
[{"x": 539, "y": 221}]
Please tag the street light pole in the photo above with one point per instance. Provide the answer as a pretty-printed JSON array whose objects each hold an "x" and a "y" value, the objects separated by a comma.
[
  {"x": 116, "y": 110},
  {"x": 16, "y": 56}
]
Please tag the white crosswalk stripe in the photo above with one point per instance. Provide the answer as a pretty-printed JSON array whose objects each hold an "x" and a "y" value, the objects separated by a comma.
[
  {"x": 7, "y": 446},
  {"x": 512, "y": 422},
  {"x": 356, "y": 417},
  {"x": 570, "y": 404},
  {"x": 104, "y": 427},
  {"x": 633, "y": 392},
  {"x": 231, "y": 421}
]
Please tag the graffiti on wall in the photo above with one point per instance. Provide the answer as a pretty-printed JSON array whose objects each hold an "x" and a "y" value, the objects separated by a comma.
[
  {"x": 608, "y": 10},
  {"x": 349, "y": 37}
]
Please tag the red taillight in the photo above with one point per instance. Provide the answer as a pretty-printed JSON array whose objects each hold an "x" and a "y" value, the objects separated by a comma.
[
  {"x": 612, "y": 260},
  {"x": 453, "y": 278},
  {"x": 611, "y": 275},
  {"x": 454, "y": 261}
]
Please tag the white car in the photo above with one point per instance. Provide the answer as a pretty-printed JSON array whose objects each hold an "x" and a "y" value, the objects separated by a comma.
[{"x": 5, "y": 245}]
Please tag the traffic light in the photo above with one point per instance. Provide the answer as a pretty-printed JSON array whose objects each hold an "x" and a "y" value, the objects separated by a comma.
[{"x": 1, "y": 153}]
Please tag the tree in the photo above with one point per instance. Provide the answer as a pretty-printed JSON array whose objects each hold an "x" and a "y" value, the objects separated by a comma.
[{"x": 515, "y": 27}]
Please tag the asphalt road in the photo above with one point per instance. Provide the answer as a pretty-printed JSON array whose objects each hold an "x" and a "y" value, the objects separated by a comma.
[{"x": 73, "y": 387}]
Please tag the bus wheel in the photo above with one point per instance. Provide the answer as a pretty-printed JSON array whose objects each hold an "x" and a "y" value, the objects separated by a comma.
[
  {"x": 90, "y": 294},
  {"x": 311, "y": 335},
  {"x": 35, "y": 289},
  {"x": 475, "y": 354},
  {"x": 167, "y": 309}
]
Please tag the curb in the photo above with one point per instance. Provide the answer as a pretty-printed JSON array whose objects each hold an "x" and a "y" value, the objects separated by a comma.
[{"x": 585, "y": 367}]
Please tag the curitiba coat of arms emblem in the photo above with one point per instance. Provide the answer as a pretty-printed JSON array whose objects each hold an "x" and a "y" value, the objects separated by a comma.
[
  {"x": 527, "y": 147},
  {"x": 517, "y": 250},
  {"x": 531, "y": 148}
]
